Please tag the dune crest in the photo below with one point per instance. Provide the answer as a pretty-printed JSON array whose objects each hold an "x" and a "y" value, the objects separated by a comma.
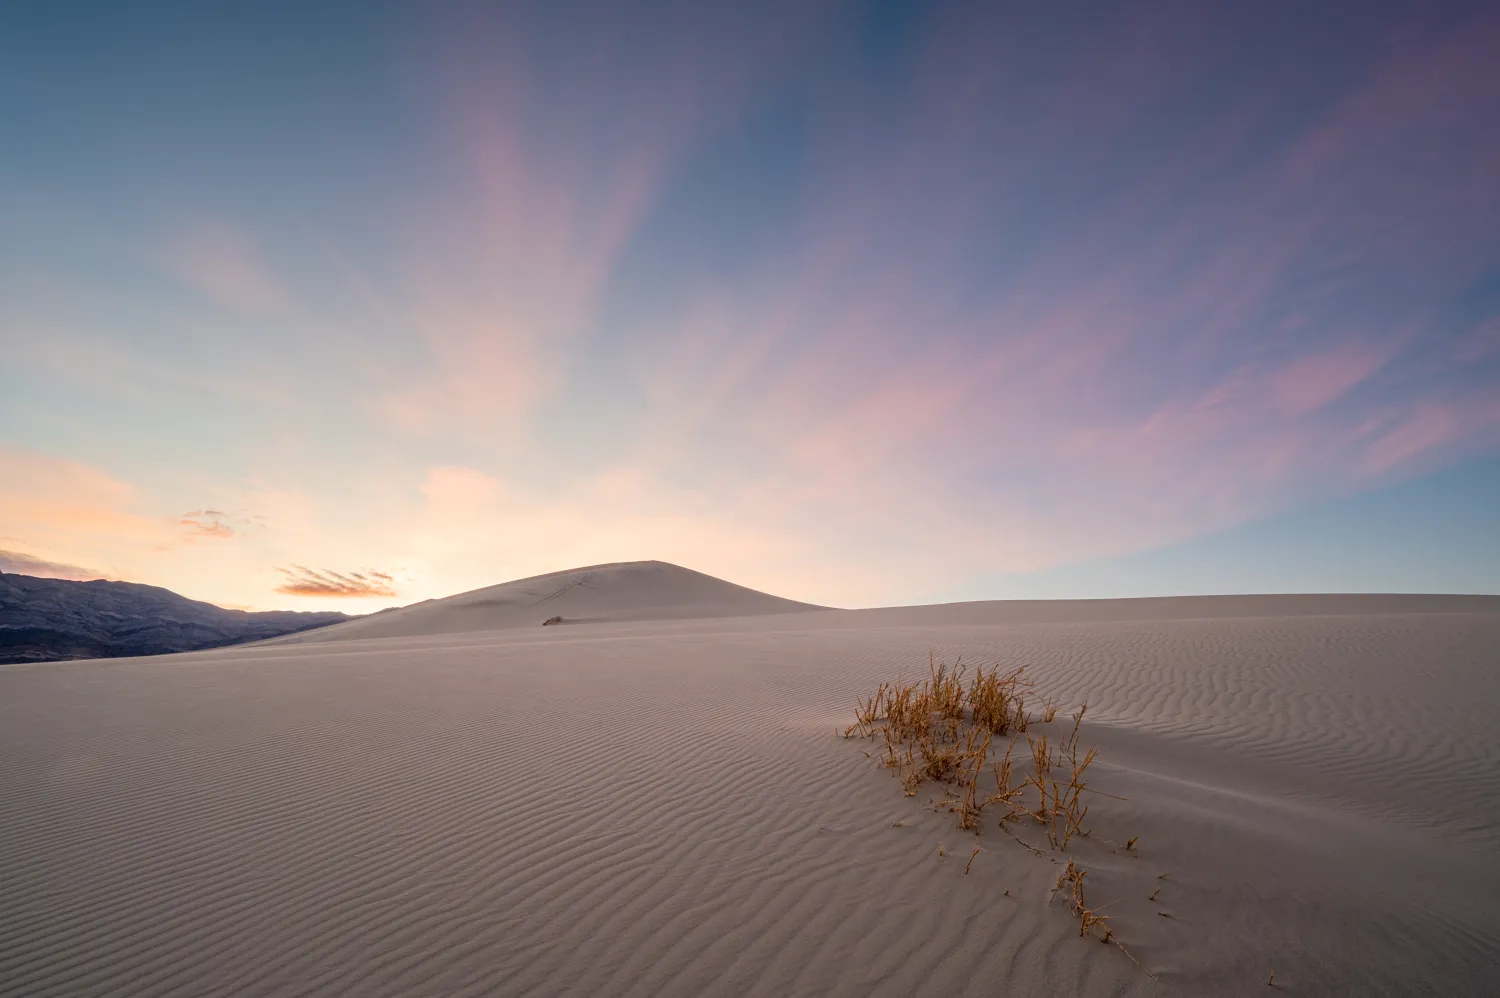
[{"x": 622, "y": 591}]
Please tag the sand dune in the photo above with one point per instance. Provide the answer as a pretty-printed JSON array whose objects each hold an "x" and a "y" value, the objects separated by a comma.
[
  {"x": 660, "y": 807},
  {"x": 638, "y": 590}
]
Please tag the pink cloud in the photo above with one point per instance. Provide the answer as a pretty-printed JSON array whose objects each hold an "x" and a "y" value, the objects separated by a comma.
[
  {"x": 503, "y": 268},
  {"x": 1310, "y": 383},
  {"x": 221, "y": 263},
  {"x": 1426, "y": 429},
  {"x": 206, "y": 523},
  {"x": 20, "y": 563},
  {"x": 65, "y": 513},
  {"x": 477, "y": 529},
  {"x": 945, "y": 368},
  {"x": 69, "y": 513},
  {"x": 1413, "y": 436},
  {"x": 1482, "y": 341},
  {"x": 1167, "y": 365},
  {"x": 325, "y": 583}
]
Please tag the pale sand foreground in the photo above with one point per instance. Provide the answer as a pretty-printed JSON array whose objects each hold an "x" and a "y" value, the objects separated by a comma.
[{"x": 661, "y": 807}]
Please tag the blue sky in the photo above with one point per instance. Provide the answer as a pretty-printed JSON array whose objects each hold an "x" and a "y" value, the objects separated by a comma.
[
  {"x": 1435, "y": 534},
  {"x": 352, "y": 305}
]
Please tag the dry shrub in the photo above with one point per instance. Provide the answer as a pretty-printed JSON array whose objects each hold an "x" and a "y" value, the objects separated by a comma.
[
  {"x": 943, "y": 730},
  {"x": 998, "y": 702},
  {"x": 1058, "y": 779},
  {"x": 1070, "y": 885}
]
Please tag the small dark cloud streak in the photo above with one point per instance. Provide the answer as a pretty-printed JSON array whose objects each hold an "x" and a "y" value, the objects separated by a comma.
[
  {"x": 19, "y": 563},
  {"x": 206, "y": 523},
  {"x": 303, "y": 581}
]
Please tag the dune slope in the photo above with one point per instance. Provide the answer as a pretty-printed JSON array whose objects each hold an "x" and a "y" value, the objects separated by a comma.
[
  {"x": 637, "y": 590},
  {"x": 662, "y": 808}
]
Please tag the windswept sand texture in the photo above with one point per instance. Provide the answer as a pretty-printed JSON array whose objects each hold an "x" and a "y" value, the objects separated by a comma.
[{"x": 647, "y": 807}]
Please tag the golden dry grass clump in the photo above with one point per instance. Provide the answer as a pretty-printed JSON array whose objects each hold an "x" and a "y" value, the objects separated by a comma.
[{"x": 942, "y": 730}]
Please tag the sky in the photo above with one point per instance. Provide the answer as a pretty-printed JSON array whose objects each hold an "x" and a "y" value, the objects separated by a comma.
[{"x": 345, "y": 306}]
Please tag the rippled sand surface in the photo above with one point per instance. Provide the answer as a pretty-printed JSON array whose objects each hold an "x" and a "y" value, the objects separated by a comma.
[{"x": 645, "y": 807}]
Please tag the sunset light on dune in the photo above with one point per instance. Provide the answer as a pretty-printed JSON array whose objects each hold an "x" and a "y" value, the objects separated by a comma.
[{"x": 855, "y": 304}]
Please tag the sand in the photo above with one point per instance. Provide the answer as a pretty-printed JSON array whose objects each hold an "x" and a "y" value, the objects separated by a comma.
[
  {"x": 659, "y": 806},
  {"x": 616, "y": 593}
]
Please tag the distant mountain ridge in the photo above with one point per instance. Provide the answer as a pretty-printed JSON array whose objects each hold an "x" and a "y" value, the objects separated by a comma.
[{"x": 48, "y": 620}]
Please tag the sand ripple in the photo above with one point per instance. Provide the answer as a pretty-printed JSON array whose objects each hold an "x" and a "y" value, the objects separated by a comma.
[{"x": 661, "y": 808}]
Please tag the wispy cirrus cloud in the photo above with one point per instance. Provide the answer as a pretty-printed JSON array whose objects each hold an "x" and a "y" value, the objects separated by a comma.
[
  {"x": 57, "y": 505},
  {"x": 1147, "y": 317},
  {"x": 303, "y": 581},
  {"x": 206, "y": 523},
  {"x": 222, "y": 263},
  {"x": 553, "y": 160},
  {"x": 20, "y": 563},
  {"x": 838, "y": 305},
  {"x": 87, "y": 523}
]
